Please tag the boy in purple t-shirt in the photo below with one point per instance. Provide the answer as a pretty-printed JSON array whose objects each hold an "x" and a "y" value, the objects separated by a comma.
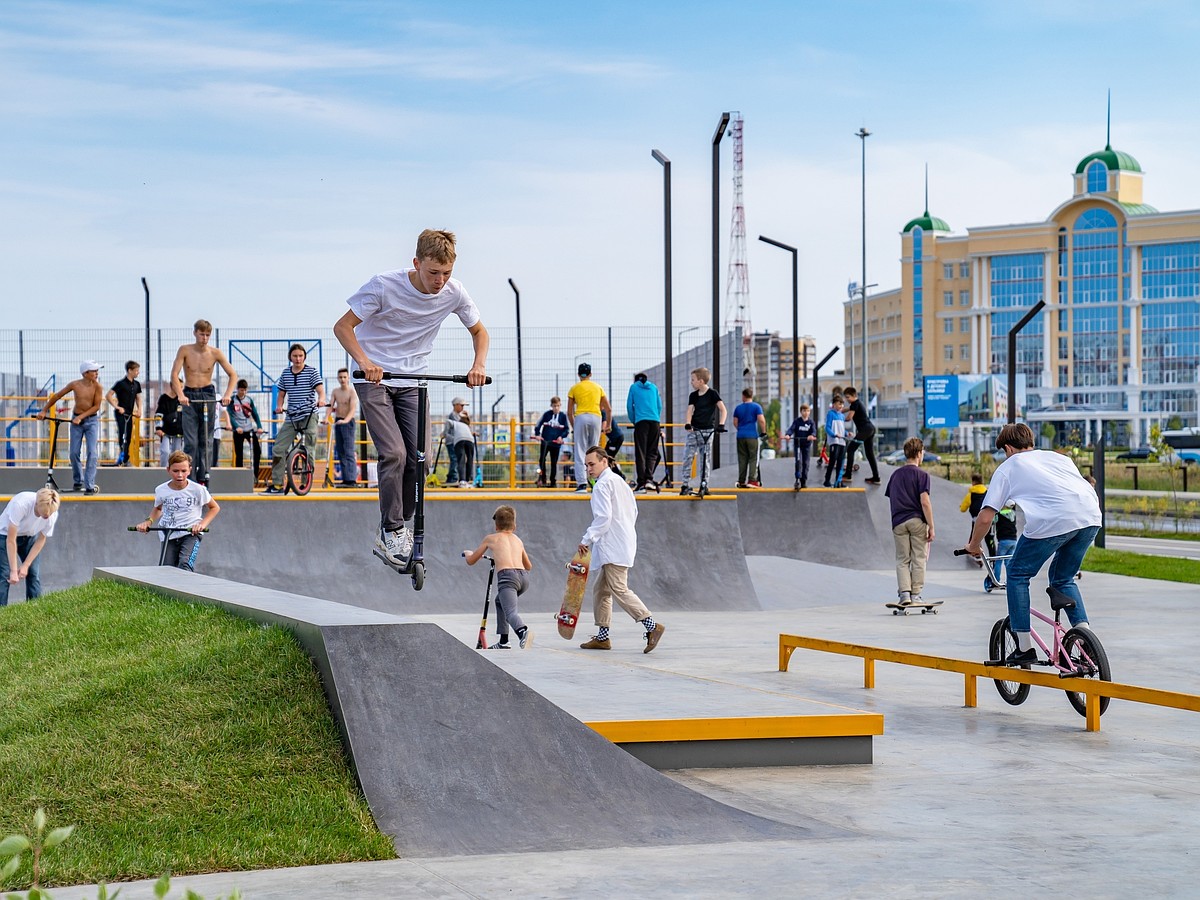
[{"x": 912, "y": 521}]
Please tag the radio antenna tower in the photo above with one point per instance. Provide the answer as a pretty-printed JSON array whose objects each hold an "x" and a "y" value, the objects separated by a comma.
[{"x": 737, "y": 282}]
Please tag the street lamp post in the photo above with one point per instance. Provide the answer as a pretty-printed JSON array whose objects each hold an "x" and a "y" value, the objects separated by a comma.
[
  {"x": 722, "y": 124},
  {"x": 795, "y": 313},
  {"x": 862, "y": 135},
  {"x": 669, "y": 363},
  {"x": 520, "y": 369}
]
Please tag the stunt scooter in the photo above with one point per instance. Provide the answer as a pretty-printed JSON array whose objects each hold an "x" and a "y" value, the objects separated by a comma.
[{"x": 416, "y": 565}]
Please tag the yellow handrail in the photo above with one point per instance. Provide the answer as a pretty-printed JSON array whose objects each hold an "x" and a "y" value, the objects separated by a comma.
[{"x": 1093, "y": 688}]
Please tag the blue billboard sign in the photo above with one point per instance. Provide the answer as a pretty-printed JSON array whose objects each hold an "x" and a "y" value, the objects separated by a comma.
[{"x": 951, "y": 400}]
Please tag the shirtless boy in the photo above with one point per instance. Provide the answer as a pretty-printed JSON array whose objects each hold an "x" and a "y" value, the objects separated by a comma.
[
  {"x": 344, "y": 402},
  {"x": 199, "y": 397},
  {"x": 85, "y": 423},
  {"x": 512, "y": 562}
]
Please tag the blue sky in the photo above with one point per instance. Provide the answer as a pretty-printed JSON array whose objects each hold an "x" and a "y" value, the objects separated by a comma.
[{"x": 259, "y": 161}]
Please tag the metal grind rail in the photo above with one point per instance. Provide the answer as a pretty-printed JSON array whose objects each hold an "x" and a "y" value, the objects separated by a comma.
[{"x": 1093, "y": 688}]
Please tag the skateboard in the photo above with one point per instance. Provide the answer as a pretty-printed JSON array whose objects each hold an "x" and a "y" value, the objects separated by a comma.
[
  {"x": 926, "y": 607},
  {"x": 577, "y": 576}
]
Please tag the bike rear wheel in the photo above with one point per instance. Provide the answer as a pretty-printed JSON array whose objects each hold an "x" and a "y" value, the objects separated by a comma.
[
  {"x": 300, "y": 471},
  {"x": 1086, "y": 654},
  {"x": 1001, "y": 643}
]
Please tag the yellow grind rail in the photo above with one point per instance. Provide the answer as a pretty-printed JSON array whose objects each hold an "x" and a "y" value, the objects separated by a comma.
[{"x": 1093, "y": 688}]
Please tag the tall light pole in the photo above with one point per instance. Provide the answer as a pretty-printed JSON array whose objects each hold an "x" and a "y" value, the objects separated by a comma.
[
  {"x": 862, "y": 135},
  {"x": 668, "y": 360},
  {"x": 795, "y": 315},
  {"x": 520, "y": 366},
  {"x": 722, "y": 124}
]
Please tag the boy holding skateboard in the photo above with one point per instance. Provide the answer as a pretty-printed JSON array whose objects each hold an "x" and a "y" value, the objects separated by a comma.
[
  {"x": 391, "y": 325},
  {"x": 612, "y": 539},
  {"x": 912, "y": 521},
  {"x": 184, "y": 504},
  {"x": 512, "y": 562}
]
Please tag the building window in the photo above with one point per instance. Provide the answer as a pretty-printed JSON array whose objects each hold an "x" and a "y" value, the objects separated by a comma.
[
  {"x": 948, "y": 326},
  {"x": 947, "y": 270},
  {"x": 947, "y": 298},
  {"x": 1097, "y": 178},
  {"x": 964, "y": 351},
  {"x": 1062, "y": 348},
  {"x": 948, "y": 352},
  {"x": 1062, "y": 376},
  {"x": 964, "y": 270},
  {"x": 964, "y": 325},
  {"x": 964, "y": 298}
]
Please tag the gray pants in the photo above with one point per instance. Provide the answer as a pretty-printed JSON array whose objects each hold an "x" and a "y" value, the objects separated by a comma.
[
  {"x": 510, "y": 584},
  {"x": 587, "y": 435},
  {"x": 391, "y": 414}
]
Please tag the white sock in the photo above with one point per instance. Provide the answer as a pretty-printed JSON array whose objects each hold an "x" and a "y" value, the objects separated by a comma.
[{"x": 1024, "y": 641}]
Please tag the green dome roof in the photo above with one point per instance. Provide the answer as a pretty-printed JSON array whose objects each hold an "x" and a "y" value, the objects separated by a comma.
[
  {"x": 927, "y": 223},
  {"x": 1114, "y": 160}
]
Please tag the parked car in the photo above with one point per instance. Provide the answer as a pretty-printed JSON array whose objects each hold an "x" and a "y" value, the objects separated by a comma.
[
  {"x": 896, "y": 457},
  {"x": 1140, "y": 453}
]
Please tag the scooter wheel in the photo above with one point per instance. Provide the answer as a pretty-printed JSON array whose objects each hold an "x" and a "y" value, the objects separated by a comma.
[{"x": 418, "y": 575}]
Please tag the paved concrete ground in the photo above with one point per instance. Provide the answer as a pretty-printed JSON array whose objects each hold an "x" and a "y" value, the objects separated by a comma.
[{"x": 959, "y": 802}]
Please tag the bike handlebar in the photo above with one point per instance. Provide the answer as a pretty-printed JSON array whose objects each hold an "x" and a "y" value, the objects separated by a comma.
[
  {"x": 162, "y": 528},
  {"x": 388, "y": 376},
  {"x": 961, "y": 551}
]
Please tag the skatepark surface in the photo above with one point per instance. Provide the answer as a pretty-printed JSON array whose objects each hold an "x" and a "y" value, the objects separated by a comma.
[{"x": 958, "y": 802}]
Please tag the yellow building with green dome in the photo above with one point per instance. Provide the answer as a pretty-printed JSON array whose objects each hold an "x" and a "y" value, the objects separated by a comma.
[{"x": 1117, "y": 343}]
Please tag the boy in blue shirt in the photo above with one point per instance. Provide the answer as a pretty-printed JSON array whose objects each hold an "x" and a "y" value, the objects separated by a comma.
[
  {"x": 803, "y": 433},
  {"x": 748, "y": 416},
  {"x": 835, "y": 440}
]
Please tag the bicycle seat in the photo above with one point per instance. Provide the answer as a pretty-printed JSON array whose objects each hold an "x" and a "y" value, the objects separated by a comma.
[{"x": 1059, "y": 600}]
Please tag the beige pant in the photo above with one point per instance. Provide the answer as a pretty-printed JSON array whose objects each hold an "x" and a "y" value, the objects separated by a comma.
[
  {"x": 912, "y": 549},
  {"x": 611, "y": 583}
]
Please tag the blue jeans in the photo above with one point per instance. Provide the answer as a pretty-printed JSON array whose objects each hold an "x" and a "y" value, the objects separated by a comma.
[
  {"x": 343, "y": 435},
  {"x": 1029, "y": 557},
  {"x": 85, "y": 473},
  {"x": 33, "y": 581}
]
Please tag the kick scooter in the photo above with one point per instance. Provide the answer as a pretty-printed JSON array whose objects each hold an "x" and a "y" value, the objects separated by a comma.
[{"x": 415, "y": 568}]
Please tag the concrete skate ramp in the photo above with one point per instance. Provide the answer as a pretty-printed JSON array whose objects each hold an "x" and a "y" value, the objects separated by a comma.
[
  {"x": 689, "y": 553},
  {"x": 951, "y": 527},
  {"x": 455, "y": 756},
  {"x": 832, "y": 527}
]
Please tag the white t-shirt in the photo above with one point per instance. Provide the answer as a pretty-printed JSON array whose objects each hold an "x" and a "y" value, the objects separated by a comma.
[
  {"x": 613, "y": 532},
  {"x": 400, "y": 324},
  {"x": 182, "y": 508},
  {"x": 20, "y": 512},
  {"x": 1048, "y": 488}
]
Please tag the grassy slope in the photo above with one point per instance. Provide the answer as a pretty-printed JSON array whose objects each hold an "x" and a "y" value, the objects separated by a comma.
[
  {"x": 1139, "y": 565},
  {"x": 176, "y": 737}
]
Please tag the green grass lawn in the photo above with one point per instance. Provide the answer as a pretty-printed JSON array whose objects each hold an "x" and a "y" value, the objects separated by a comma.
[
  {"x": 176, "y": 737},
  {"x": 1139, "y": 565}
]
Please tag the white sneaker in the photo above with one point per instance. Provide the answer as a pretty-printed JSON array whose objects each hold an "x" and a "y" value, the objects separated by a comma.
[{"x": 395, "y": 545}]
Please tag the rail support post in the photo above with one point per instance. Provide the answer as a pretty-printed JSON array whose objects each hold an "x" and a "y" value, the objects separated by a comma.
[
  {"x": 970, "y": 692},
  {"x": 868, "y": 672},
  {"x": 1093, "y": 712}
]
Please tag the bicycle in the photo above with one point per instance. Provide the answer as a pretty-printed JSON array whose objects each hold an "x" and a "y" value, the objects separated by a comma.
[
  {"x": 416, "y": 564},
  {"x": 1075, "y": 652},
  {"x": 298, "y": 465}
]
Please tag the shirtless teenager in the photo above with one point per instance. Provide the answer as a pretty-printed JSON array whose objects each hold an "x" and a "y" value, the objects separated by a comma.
[
  {"x": 199, "y": 397},
  {"x": 344, "y": 403},
  {"x": 85, "y": 423},
  {"x": 512, "y": 564}
]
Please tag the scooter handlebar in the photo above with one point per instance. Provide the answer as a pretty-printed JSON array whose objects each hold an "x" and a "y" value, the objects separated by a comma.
[{"x": 389, "y": 376}]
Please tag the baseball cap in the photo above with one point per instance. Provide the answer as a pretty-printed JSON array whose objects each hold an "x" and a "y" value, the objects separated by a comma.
[
  {"x": 585, "y": 369},
  {"x": 89, "y": 365},
  {"x": 458, "y": 401}
]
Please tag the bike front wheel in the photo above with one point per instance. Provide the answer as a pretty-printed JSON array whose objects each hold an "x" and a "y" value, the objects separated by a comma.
[
  {"x": 1003, "y": 642},
  {"x": 1085, "y": 655},
  {"x": 300, "y": 471}
]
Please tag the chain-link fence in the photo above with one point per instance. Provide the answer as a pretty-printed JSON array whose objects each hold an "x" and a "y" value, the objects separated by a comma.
[{"x": 35, "y": 363}]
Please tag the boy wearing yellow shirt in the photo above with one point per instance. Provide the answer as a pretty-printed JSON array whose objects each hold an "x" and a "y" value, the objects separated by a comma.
[{"x": 588, "y": 412}]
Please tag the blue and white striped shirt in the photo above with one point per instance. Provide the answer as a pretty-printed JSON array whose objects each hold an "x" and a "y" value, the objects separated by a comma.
[{"x": 301, "y": 391}]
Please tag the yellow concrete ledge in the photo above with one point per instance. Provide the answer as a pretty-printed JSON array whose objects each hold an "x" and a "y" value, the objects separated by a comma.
[{"x": 740, "y": 728}]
